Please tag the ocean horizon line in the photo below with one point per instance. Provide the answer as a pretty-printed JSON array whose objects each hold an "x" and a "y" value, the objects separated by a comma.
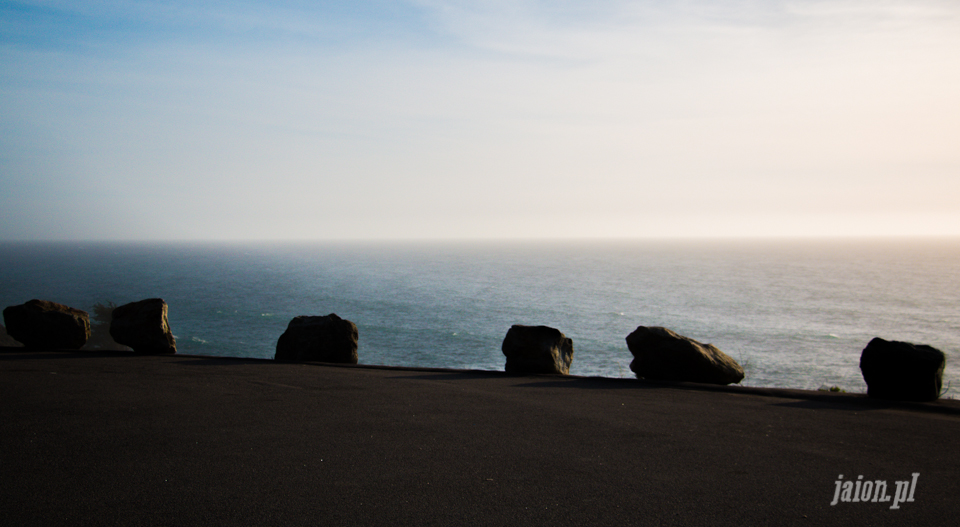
[{"x": 495, "y": 240}]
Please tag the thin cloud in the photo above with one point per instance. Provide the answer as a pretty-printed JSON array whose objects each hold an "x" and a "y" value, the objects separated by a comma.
[{"x": 480, "y": 119}]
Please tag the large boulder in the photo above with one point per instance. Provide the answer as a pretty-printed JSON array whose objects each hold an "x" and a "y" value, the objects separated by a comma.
[
  {"x": 41, "y": 324},
  {"x": 661, "y": 354},
  {"x": 902, "y": 371},
  {"x": 320, "y": 339},
  {"x": 537, "y": 349},
  {"x": 143, "y": 326}
]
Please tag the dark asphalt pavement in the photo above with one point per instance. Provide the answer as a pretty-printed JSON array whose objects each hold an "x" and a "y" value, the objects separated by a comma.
[{"x": 117, "y": 439}]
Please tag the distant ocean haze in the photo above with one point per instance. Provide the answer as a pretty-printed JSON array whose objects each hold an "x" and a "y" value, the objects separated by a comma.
[{"x": 795, "y": 314}]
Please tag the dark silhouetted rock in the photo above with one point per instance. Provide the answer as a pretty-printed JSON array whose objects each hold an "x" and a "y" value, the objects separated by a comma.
[
  {"x": 537, "y": 349},
  {"x": 902, "y": 371},
  {"x": 320, "y": 339},
  {"x": 6, "y": 340},
  {"x": 661, "y": 354},
  {"x": 143, "y": 326},
  {"x": 40, "y": 324}
]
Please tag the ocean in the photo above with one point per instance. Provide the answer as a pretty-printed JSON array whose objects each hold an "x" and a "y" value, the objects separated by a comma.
[{"x": 795, "y": 314}]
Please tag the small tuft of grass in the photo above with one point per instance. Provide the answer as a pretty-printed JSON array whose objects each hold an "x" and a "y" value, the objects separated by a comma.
[{"x": 835, "y": 389}]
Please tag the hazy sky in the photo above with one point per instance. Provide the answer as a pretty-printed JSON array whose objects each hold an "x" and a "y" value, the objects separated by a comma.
[{"x": 175, "y": 119}]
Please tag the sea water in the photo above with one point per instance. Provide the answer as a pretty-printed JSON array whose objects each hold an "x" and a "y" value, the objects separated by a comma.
[{"x": 794, "y": 314}]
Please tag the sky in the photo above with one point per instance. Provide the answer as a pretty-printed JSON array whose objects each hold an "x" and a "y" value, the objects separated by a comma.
[{"x": 449, "y": 119}]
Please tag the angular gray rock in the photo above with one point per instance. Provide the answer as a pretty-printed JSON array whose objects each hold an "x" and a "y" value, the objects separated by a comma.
[
  {"x": 902, "y": 371},
  {"x": 537, "y": 349},
  {"x": 664, "y": 355},
  {"x": 41, "y": 324},
  {"x": 321, "y": 339},
  {"x": 143, "y": 326}
]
